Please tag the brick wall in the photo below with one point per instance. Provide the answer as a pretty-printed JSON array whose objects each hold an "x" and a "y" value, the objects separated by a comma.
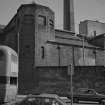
[
  {"x": 54, "y": 79},
  {"x": 26, "y": 53},
  {"x": 11, "y": 38},
  {"x": 43, "y": 33},
  {"x": 35, "y": 52},
  {"x": 100, "y": 59},
  {"x": 90, "y": 77}
]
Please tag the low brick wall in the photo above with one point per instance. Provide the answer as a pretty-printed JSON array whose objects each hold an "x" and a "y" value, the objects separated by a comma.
[
  {"x": 90, "y": 77},
  {"x": 57, "y": 80}
]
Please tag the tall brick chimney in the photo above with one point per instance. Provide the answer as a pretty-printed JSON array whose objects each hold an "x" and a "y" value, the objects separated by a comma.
[{"x": 69, "y": 15}]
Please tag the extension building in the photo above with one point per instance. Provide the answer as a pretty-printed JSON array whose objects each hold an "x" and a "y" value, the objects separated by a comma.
[{"x": 91, "y": 28}]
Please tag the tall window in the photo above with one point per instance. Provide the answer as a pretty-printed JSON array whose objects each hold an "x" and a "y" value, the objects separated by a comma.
[
  {"x": 43, "y": 52},
  {"x": 51, "y": 23}
]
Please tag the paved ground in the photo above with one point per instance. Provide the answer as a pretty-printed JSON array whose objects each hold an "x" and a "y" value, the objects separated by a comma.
[
  {"x": 81, "y": 103},
  {"x": 87, "y": 103},
  {"x": 84, "y": 104}
]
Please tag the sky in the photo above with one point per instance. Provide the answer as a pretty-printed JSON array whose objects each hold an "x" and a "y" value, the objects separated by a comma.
[{"x": 83, "y": 10}]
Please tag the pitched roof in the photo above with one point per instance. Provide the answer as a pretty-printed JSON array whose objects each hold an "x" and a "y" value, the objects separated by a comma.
[{"x": 98, "y": 40}]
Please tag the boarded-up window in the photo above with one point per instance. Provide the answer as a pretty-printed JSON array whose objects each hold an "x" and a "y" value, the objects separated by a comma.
[
  {"x": 43, "y": 52},
  {"x": 51, "y": 23},
  {"x": 41, "y": 20}
]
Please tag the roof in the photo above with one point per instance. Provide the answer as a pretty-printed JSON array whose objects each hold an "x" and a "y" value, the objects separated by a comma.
[
  {"x": 44, "y": 95},
  {"x": 73, "y": 41},
  {"x": 66, "y": 31},
  {"x": 66, "y": 34},
  {"x": 96, "y": 21},
  {"x": 98, "y": 36},
  {"x": 68, "y": 38},
  {"x": 12, "y": 23},
  {"x": 98, "y": 40},
  {"x": 34, "y": 5},
  {"x": 49, "y": 95},
  {"x": 75, "y": 44}
]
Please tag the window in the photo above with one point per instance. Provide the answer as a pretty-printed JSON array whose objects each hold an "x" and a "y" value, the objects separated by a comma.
[
  {"x": 13, "y": 80},
  {"x": 43, "y": 52},
  {"x": 41, "y": 20},
  {"x": 51, "y": 23}
]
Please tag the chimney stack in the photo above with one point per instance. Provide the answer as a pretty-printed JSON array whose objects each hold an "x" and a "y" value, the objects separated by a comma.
[{"x": 69, "y": 15}]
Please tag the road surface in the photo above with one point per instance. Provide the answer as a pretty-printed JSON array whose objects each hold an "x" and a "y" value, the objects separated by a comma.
[{"x": 86, "y": 103}]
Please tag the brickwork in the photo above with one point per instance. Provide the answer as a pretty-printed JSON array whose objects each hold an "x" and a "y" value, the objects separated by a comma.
[
  {"x": 56, "y": 79},
  {"x": 32, "y": 40},
  {"x": 43, "y": 33},
  {"x": 40, "y": 33},
  {"x": 89, "y": 77},
  {"x": 26, "y": 52},
  {"x": 32, "y": 27},
  {"x": 100, "y": 60},
  {"x": 11, "y": 39}
]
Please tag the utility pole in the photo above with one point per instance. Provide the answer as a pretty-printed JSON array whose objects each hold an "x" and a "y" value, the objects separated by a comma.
[
  {"x": 71, "y": 72},
  {"x": 83, "y": 46},
  {"x": 83, "y": 51},
  {"x": 58, "y": 47}
]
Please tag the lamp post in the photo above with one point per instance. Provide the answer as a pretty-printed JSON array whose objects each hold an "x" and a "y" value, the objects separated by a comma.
[
  {"x": 83, "y": 46},
  {"x": 71, "y": 72},
  {"x": 83, "y": 50},
  {"x": 58, "y": 47},
  {"x": 71, "y": 79},
  {"x": 18, "y": 44}
]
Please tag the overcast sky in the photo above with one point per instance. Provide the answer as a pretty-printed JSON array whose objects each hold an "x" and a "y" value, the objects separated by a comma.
[{"x": 84, "y": 9}]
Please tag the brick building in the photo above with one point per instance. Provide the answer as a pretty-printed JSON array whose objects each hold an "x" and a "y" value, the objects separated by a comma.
[{"x": 32, "y": 34}]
